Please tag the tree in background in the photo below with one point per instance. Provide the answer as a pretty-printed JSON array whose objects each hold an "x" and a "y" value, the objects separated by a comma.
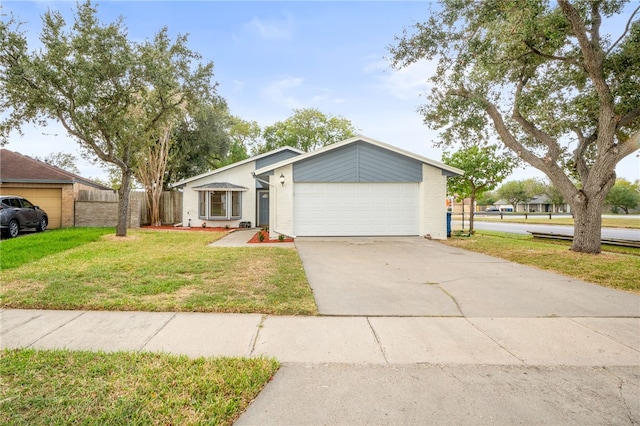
[
  {"x": 542, "y": 77},
  {"x": 246, "y": 137},
  {"x": 307, "y": 129},
  {"x": 96, "y": 83},
  {"x": 488, "y": 198},
  {"x": 623, "y": 195},
  {"x": 554, "y": 195},
  {"x": 61, "y": 160},
  {"x": 151, "y": 169},
  {"x": 201, "y": 141},
  {"x": 484, "y": 169},
  {"x": 516, "y": 192}
]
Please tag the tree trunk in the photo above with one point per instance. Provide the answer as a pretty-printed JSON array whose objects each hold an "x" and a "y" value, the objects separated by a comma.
[
  {"x": 586, "y": 228},
  {"x": 123, "y": 204},
  {"x": 471, "y": 212},
  {"x": 153, "y": 199}
]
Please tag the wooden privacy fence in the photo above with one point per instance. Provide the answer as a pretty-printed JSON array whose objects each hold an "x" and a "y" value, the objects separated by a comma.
[{"x": 170, "y": 207}]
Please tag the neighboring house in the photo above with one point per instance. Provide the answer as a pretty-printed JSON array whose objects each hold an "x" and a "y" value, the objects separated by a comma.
[
  {"x": 538, "y": 204},
  {"x": 357, "y": 187},
  {"x": 49, "y": 187}
]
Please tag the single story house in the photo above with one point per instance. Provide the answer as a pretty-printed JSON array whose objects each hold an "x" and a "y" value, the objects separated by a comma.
[
  {"x": 357, "y": 187},
  {"x": 49, "y": 187},
  {"x": 538, "y": 204}
]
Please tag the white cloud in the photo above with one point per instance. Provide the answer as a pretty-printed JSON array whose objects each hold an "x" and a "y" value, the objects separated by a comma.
[
  {"x": 271, "y": 29},
  {"x": 292, "y": 92},
  {"x": 282, "y": 92},
  {"x": 406, "y": 83},
  {"x": 238, "y": 85}
]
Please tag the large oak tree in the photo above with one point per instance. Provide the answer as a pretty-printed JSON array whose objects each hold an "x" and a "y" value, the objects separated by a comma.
[
  {"x": 111, "y": 94},
  {"x": 546, "y": 81}
]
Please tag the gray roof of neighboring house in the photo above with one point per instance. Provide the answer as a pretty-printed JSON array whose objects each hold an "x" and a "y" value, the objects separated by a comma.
[
  {"x": 538, "y": 199},
  {"x": 18, "y": 168},
  {"x": 223, "y": 186}
]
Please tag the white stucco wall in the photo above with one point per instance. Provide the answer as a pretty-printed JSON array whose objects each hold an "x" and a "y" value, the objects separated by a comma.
[
  {"x": 433, "y": 209},
  {"x": 281, "y": 203},
  {"x": 239, "y": 175}
]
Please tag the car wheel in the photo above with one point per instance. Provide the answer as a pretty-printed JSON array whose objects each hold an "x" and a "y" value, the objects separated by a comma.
[
  {"x": 42, "y": 225},
  {"x": 14, "y": 229}
]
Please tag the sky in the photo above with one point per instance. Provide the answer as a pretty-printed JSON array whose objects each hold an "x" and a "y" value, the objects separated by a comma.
[{"x": 272, "y": 57}]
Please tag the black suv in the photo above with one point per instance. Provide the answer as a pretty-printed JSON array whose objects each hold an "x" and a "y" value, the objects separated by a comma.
[{"x": 17, "y": 213}]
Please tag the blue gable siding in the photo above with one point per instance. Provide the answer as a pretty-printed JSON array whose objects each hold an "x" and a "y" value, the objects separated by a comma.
[
  {"x": 275, "y": 158},
  {"x": 358, "y": 162}
]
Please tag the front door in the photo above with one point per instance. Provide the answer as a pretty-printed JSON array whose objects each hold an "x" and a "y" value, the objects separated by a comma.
[{"x": 263, "y": 208}]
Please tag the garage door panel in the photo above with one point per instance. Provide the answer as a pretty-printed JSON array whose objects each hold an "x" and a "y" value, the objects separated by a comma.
[{"x": 352, "y": 209}]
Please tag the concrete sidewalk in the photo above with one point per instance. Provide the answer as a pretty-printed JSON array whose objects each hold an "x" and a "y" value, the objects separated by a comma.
[
  {"x": 385, "y": 370},
  {"x": 337, "y": 340}
]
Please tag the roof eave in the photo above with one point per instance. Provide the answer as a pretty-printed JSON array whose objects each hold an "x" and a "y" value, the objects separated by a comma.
[
  {"x": 182, "y": 183},
  {"x": 56, "y": 181},
  {"x": 337, "y": 145}
]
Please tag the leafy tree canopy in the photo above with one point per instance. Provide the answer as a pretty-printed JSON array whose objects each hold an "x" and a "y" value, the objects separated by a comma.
[
  {"x": 62, "y": 160},
  {"x": 484, "y": 169},
  {"x": 307, "y": 129},
  {"x": 624, "y": 196},
  {"x": 201, "y": 141},
  {"x": 543, "y": 79},
  {"x": 112, "y": 95},
  {"x": 520, "y": 191}
]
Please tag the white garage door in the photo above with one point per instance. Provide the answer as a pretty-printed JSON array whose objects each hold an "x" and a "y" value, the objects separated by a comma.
[{"x": 356, "y": 209}]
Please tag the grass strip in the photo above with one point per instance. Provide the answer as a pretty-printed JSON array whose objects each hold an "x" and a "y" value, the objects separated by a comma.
[
  {"x": 162, "y": 271},
  {"x": 619, "y": 270},
  {"x": 63, "y": 387},
  {"x": 607, "y": 222},
  {"x": 29, "y": 248}
]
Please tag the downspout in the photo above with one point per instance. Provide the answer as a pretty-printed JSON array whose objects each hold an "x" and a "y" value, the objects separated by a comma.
[{"x": 275, "y": 218}]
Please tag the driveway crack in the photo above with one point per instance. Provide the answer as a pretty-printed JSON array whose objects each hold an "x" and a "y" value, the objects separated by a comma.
[
  {"x": 375, "y": 336},
  {"x": 621, "y": 384},
  {"x": 452, "y": 298}
]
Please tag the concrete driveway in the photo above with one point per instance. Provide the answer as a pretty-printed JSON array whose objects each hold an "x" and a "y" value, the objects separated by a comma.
[{"x": 412, "y": 276}]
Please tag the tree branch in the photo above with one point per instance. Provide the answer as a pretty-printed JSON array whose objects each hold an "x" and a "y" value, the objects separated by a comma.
[
  {"x": 578, "y": 153},
  {"x": 629, "y": 146},
  {"x": 628, "y": 118},
  {"x": 625, "y": 32},
  {"x": 550, "y": 168},
  {"x": 596, "y": 21},
  {"x": 593, "y": 56},
  {"x": 553, "y": 57},
  {"x": 553, "y": 150}
]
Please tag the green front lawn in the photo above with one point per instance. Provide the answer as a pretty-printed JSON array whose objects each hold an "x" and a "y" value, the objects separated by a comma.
[
  {"x": 62, "y": 387},
  {"x": 541, "y": 219},
  {"x": 29, "y": 248},
  {"x": 154, "y": 271},
  {"x": 619, "y": 269}
]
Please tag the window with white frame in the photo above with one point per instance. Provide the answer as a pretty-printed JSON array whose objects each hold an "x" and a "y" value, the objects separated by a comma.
[{"x": 220, "y": 205}]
